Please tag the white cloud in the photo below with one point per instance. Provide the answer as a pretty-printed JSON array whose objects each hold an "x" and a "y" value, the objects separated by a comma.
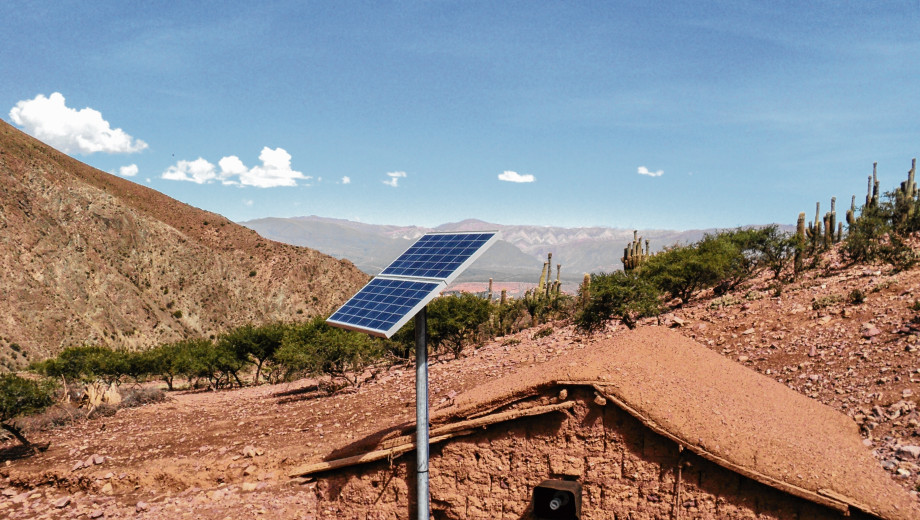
[
  {"x": 346, "y": 180},
  {"x": 83, "y": 131},
  {"x": 394, "y": 178},
  {"x": 128, "y": 171},
  {"x": 248, "y": 202},
  {"x": 509, "y": 176},
  {"x": 645, "y": 171},
  {"x": 275, "y": 170},
  {"x": 198, "y": 171}
]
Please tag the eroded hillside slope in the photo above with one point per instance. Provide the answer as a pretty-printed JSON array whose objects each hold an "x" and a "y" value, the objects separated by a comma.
[{"x": 88, "y": 257}]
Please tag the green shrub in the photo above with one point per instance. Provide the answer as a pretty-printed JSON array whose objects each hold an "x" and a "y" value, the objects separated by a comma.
[
  {"x": 680, "y": 271},
  {"x": 856, "y": 297},
  {"x": 511, "y": 317},
  {"x": 217, "y": 364},
  {"x": 865, "y": 236},
  {"x": 721, "y": 261},
  {"x": 542, "y": 333},
  {"x": 543, "y": 308},
  {"x": 825, "y": 301},
  {"x": 775, "y": 249},
  {"x": 20, "y": 396},
  {"x": 626, "y": 296}
]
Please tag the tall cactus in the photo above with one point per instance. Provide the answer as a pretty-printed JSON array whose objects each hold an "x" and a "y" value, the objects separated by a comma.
[
  {"x": 799, "y": 243},
  {"x": 873, "y": 188},
  {"x": 542, "y": 284},
  {"x": 585, "y": 291},
  {"x": 851, "y": 213},
  {"x": 907, "y": 197},
  {"x": 814, "y": 229},
  {"x": 830, "y": 224}
]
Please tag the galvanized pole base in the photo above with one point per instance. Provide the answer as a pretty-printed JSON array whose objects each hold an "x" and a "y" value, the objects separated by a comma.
[{"x": 421, "y": 412}]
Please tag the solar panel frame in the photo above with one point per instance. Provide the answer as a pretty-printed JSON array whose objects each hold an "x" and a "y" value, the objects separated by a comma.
[{"x": 411, "y": 281}]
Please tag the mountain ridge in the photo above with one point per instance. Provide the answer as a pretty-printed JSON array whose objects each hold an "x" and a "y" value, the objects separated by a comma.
[{"x": 579, "y": 250}]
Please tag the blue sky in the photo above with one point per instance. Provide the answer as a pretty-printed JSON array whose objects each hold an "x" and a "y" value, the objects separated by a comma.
[{"x": 625, "y": 114}]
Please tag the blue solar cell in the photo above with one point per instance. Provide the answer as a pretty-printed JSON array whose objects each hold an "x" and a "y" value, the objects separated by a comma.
[
  {"x": 383, "y": 303},
  {"x": 410, "y": 282},
  {"x": 438, "y": 255}
]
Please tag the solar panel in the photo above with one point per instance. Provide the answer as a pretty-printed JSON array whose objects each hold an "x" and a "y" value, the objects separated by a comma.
[
  {"x": 410, "y": 282},
  {"x": 384, "y": 305},
  {"x": 439, "y": 255}
]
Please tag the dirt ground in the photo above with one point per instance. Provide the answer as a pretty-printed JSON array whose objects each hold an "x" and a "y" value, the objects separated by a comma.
[{"x": 227, "y": 454}]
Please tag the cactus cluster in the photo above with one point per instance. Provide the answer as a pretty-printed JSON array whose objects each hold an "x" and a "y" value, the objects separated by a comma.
[
  {"x": 908, "y": 188},
  {"x": 822, "y": 233},
  {"x": 547, "y": 288},
  {"x": 906, "y": 197},
  {"x": 633, "y": 254}
]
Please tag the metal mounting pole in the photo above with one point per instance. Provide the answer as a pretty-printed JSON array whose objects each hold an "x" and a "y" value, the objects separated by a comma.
[{"x": 421, "y": 412}]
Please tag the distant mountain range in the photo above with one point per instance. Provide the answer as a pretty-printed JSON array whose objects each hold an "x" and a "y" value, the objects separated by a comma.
[{"x": 518, "y": 257}]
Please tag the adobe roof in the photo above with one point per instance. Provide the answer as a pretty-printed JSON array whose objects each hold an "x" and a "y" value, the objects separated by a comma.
[{"x": 724, "y": 412}]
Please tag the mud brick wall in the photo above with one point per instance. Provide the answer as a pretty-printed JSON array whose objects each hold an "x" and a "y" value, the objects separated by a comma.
[{"x": 627, "y": 471}]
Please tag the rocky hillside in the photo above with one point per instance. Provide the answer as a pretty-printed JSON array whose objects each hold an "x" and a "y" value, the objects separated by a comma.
[
  {"x": 88, "y": 257},
  {"x": 845, "y": 335}
]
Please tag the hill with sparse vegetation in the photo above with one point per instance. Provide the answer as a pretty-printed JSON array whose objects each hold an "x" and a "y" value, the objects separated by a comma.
[{"x": 87, "y": 257}]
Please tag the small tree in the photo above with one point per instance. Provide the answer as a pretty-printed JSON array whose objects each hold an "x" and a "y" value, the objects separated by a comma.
[
  {"x": 680, "y": 271},
  {"x": 253, "y": 344},
  {"x": 86, "y": 363},
  {"x": 171, "y": 360},
  {"x": 621, "y": 295},
  {"x": 777, "y": 249},
  {"x": 20, "y": 396},
  {"x": 200, "y": 359},
  {"x": 454, "y": 321},
  {"x": 319, "y": 349}
]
